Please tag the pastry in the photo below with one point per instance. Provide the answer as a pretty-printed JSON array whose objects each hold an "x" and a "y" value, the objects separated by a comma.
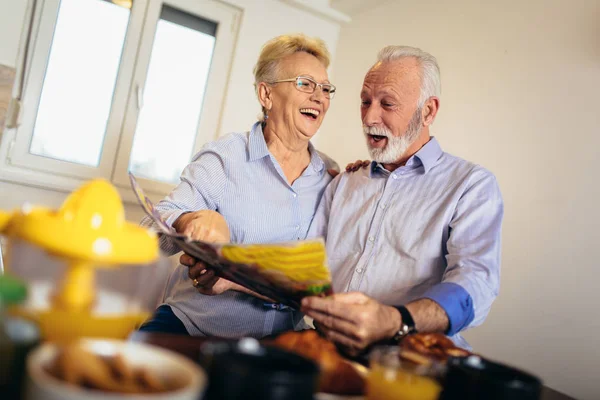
[{"x": 338, "y": 375}]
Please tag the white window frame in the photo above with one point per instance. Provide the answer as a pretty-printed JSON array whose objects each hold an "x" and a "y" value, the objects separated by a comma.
[
  {"x": 24, "y": 167},
  {"x": 214, "y": 93},
  {"x": 39, "y": 62}
]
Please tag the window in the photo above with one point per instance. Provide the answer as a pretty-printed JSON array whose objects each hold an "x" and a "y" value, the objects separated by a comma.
[
  {"x": 123, "y": 85},
  {"x": 77, "y": 91},
  {"x": 173, "y": 96}
]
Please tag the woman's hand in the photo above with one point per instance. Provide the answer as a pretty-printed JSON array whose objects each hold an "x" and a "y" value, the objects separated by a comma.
[
  {"x": 208, "y": 226},
  {"x": 204, "y": 280},
  {"x": 356, "y": 165},
  {"x": 205, "y": 225}
]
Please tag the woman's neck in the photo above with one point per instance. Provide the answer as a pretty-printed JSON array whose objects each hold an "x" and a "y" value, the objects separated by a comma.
[{"x": 291, "y": 153}]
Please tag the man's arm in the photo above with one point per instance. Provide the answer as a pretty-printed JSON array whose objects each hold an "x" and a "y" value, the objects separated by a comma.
[
  {"x": 428, "y": 316},
  {"x": 471, "y": 281}
]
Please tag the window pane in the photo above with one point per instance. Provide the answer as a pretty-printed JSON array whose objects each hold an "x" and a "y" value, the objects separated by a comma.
[
  {"x": 80, "y": 80},
  {"x": 168, "y": 121}
]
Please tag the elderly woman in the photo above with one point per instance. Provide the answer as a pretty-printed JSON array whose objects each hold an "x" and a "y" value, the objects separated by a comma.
[{"x": 266, "y": 183}]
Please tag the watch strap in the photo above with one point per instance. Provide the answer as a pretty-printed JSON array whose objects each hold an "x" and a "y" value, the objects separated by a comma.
[{"x": 407, "y": 326}]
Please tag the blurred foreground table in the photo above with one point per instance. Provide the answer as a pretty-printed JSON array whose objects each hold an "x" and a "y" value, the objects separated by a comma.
[{"x": 190, "y": 347}]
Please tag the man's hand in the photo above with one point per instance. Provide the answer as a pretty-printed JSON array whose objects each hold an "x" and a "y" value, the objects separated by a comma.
[
  {"x": 205, "y": 280},
  {"x": 353, "y": 320},
  {"x": 356, "y": 165},
  {"x": 206, "y": 225}
]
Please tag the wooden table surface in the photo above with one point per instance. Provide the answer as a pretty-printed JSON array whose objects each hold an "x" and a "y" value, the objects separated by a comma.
[{"x": 190, "y": 347}]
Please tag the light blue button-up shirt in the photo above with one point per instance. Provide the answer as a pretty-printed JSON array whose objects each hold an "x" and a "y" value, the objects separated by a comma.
[
  {"x": 429, "y": 229},
  {"x": 238, "y": 177}
]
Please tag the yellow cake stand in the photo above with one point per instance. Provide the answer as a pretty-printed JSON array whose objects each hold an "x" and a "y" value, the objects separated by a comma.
[{"x": 89, "y": 231}]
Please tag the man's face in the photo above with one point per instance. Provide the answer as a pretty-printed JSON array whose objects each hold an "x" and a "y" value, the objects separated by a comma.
[{"x": 389, "y": 111}]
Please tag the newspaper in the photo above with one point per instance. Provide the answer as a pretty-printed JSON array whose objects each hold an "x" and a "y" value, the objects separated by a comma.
[{"x": 284, "y": 272}]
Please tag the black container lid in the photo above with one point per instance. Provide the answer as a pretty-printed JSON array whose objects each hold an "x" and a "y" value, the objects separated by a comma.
[
  {"x": 476, "y": 378},
  {"x": 247, "y": 370}
]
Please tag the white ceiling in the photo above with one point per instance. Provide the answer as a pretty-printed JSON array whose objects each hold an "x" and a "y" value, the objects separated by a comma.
[{"x": 355, "y": 7}]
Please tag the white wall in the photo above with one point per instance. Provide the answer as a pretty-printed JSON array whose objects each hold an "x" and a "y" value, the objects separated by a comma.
[
  {"x": 520, "y": 89},
  {"x": 261, "y": 21},
  {"x": 12, "y": 14}
]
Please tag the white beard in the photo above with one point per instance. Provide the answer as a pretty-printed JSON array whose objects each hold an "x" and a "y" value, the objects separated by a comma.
[{"x": 396, "y": 145}]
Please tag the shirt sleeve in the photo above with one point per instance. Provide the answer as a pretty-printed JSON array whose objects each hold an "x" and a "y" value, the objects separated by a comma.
[
  {"x": 472, "y": 278},
  {"x": 318, "y": 226},
  {"x": 329, "y": 162},
  {"x": 201, "y": 187}
]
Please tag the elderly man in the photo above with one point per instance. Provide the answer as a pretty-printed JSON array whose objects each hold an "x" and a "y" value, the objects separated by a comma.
[{"x": 415, "y": 237}]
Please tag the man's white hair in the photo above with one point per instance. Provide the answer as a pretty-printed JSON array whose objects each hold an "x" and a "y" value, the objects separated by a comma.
[{"x": 430, "y": 70}]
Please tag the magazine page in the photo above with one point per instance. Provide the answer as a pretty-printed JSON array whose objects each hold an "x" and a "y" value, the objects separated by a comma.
[{"x": 283, "y": 272}]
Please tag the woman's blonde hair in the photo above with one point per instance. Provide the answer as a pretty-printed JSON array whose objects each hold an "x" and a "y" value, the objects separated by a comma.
[{"x": 267, "y": 66}]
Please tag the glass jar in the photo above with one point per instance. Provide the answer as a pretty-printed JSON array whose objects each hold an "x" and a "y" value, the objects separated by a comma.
[{"x": 392, "y": 377}]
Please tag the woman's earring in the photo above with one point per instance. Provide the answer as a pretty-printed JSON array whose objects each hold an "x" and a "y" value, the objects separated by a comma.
[{"x": 266, "y": 116}]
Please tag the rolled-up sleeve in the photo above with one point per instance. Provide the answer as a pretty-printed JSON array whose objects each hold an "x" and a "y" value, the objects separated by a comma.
[
  {"x": 201, "y": 186},
  {"x": 472, "y": 278}
]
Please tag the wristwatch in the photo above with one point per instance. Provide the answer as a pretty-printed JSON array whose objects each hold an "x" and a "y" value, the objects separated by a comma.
[{"x": 407, "y": 326}]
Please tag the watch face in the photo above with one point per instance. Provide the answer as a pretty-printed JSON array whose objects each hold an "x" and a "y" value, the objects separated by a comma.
[{"x": 404, "y": 330}]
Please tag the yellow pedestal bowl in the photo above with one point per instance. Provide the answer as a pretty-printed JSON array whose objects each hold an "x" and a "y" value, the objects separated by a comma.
[{"x": 89, "y": 231}]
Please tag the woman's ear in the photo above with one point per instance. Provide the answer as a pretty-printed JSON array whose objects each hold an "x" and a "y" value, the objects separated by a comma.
[{"x": 264, "y": 96}]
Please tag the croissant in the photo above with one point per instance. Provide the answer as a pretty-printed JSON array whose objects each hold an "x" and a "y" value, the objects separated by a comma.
[
  {"x": 338, "y": 375},
  {"x": 424, "y": 347}
]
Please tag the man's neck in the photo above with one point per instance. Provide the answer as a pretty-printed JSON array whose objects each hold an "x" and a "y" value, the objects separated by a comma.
[{"x": 421, "y": 141}]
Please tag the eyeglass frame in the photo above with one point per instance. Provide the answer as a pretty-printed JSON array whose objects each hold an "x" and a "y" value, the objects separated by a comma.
[{"x": 317, "y": 84}]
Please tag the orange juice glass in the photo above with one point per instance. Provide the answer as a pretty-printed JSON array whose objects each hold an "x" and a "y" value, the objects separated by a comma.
[{"x": 391, "y": 378}]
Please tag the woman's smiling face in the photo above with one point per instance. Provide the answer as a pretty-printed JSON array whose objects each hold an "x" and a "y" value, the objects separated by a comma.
[{"x": 298, "y": 112}]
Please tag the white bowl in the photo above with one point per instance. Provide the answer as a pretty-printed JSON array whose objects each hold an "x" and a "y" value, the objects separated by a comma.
[{"x": 165, "y": 363}]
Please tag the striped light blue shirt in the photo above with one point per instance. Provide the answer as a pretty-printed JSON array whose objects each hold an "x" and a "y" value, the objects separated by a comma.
[
  {"x": 238, "y": 177},
  {"x": 430, "y": 229}
]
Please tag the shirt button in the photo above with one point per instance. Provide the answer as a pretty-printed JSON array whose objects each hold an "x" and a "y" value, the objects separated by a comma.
[
  {"x": 383, "y": 205},
  {"x": 394, "y": 176},
  {"x": 359, "y": 270},
  {"x": 371, "y": 239},
  {"x": 297, "y": 226},
  {"x": 294, "y": 195}
]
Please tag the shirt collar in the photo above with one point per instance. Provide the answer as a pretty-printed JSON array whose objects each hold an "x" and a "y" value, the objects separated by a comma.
[
  {"x": 315, "y": 159},
  {"x": 257, "y": 148},
  {"x": 377, "y": 167},
  {"x": 427, "y": 156}
]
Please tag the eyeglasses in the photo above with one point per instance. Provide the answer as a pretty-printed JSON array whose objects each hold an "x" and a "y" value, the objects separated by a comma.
[{"x": 309, "y": 85}]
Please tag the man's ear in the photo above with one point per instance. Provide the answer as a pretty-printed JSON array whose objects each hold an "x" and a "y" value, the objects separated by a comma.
[
  {"x": 264, "y": 95},
  {"x": 430, "y": 109}
]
